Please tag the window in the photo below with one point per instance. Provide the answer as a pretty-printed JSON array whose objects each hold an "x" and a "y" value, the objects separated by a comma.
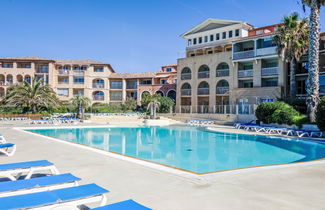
[
  {"x": 266, "y": 42},
  {"x": 168, "y": 69},
  {"x": 63, "y": 80},
  {"x": 63, "y": 91},
  {"x": 270, "y": 82},
  {"x": 24, "y": 65},
  {"x": 83, "y": 68},
  {"x": 211, "y": 38},
  {"x": 301, "y": 86},
  {"x": 146, "y": 82},
  {"x": 224, "y": 35},
  {"x": 163, "y": 81},
  {"x": 78, "y": 80},
  {"x": 237, "y": 32},
  {"x": 194, "y": 41},
  {"x": 206, "y": 39},
  {"x": 7, "y": 65},
  {"x": 230, "y": 34},
  {"x": 99, "y": 69},
  {"x": 116, "y": 96},
  {"x": 217, "y": 37},
  {"x": 245, "y": 83},
  {"x": 42, "y": 68},
  {"x": 116, "y": 84},
  {"x": 78, "y": 92},
  {"x": 322, "y": 83},
  {"x": 200, "y": 40},
  {"x": 189, "y": 42}
]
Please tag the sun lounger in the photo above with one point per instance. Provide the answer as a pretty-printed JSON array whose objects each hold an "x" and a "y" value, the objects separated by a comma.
[
  {"x": 69, "y": 198},
  {"x": 123, "y": 205},
  {"x": 13, "y": 171},
  {"x": 38, "y": 184},
  {"x": 8, "y": 149},
  {"x": 2, "y": 139}
]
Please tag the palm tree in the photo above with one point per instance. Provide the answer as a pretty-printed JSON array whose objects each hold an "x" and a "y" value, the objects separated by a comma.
[
  {"x": 153, "y": 105},
  {"x": 33, "y": 96},
  {"x": 81, "y": 103},
  {"x": 312, "y": 82},
  {"x": 292, "y": 43}
]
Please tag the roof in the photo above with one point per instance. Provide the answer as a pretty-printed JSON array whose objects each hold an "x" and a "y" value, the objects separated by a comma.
[
  {"x": 133, "y": 75},
  {"x": 79, "y": 62},
  {"x": 27, "y": 58},
  {"x": 212, "y": 23}
]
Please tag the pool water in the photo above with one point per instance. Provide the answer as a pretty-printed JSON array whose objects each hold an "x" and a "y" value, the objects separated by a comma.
[{"x": 190, "y": 148}]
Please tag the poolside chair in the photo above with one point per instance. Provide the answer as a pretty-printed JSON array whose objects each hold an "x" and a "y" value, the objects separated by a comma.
[
  {"x": 38, "y": 184},
  {"x": 68, "y": 198},
  {"x": 14, "y": 171},
  {"x": 2, "y": 139},
  {"x": 8, "y": 149},
  {"x": 123, "y": 205}
]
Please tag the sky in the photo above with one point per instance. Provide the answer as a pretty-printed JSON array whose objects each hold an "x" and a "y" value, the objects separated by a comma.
[{"x": 133, "y": 36}]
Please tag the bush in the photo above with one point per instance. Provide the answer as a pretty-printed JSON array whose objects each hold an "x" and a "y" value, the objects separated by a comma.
[
  {"x": 320, "y": 114},
  {"x": 165, "y": 104},
  {"x": 129, "y": 104},
  {"x": 277, "y": 112},
  {"x": 300, "y": 120}
]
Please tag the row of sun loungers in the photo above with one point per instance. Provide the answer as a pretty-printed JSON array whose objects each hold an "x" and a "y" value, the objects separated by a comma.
[
  {"x": 55, "y": 121},
  {"x": 279, "y": 130},
  {"x": 120, "y": 114},
  {"x": 200, "y": 122},
  {"x": 14, "y": 118},
  {"x": 51, "y": 191}
]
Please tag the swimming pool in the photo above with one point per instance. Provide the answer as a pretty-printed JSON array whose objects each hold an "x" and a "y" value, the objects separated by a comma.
[{"x": 192, "y": 149}]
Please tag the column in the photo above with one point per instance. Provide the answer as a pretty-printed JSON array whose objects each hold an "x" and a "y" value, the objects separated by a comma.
[
  {"x": 257, "y": 69},
  {"x": 123, "y": 90}
]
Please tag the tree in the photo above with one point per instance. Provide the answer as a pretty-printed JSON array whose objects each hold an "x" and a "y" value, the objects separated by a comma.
[
  {"x": 130, "y": 104},
  {"x": 166, "y": 104},
  {"x": 81, "y": 102},
  {"x": 312, "y": 83},
  {"x": 33, "y": 96},
  {"x": 154, "y": 105},
  {"x": 292, "y": 43}
]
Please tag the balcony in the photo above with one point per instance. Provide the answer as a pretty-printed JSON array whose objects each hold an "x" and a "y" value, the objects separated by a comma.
[
  {"x": 116, "y": 98},
  {"x": 6, "y": 83},
  {"x": 131, "y": 86},
  {"x": 222, "y": 73},
  {"x": 203, "y": 91},
  {"x": 78, "y": 72},
  {"x": 222, "y": 90},
  {"x": 186, "y": 92},
  {"x": 205, "y": 74},
  {"x": 98, "y": 98},
  {"x": 266, "y": 51},
  {"x": 186, "y": 76},
  {"x": 63, "y": 72},
  {"x": 98, "y": 85},
  {"x": 245, "y": 73},
  {"x": 243, "y": 54},
  {"x": 63, "y": 82},
  {"x": 116, "y": 87},
  {"x": 270, "y": 71}
]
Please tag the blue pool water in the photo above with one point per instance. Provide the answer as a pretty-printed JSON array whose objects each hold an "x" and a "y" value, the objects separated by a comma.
[{"x": 190, "y": 148}]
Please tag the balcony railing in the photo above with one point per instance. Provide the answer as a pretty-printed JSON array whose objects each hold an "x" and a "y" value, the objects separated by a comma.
[
  {"x": 78, "y": 83},
  {"x": 78, "y": 72},
  {"x": 245, "y": 109},
  {"x": 243, "y": 54},
  {"x": 222, "y": 90},
  {"x": 98, "y": 85},
  {"x": 266, "y": 51},
  {"x": 245, "y": 73},
  {"x": 6, "y": 83},
  {"x": 116, "y": 87},
  {"x": 63, "y": 82},
  {"x": 204, "y": 74},
  {"x": 222, "y": 72},
  {"x": 116, "y": 98},
  {"x": 98, "y": 98},
  {"x": 270, "y": 71},
  {"x": 63, "y": 72},
  {"x": 186, "y": 76},
  {"x": 131, "y": 86},
  {"x": 186, "y": 92},
  {"x": 203, "y": 91}
]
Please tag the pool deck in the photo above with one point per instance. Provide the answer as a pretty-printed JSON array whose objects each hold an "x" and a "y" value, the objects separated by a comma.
[{"x": 295, "y": 186}]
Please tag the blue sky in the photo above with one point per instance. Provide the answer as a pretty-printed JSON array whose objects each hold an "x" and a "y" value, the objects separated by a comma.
[{"x": 133, "y": 36}]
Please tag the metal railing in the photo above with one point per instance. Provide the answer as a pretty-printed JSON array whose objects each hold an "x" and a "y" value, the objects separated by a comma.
[
  {"x": 239, "y": 109},
  {"x": 78, "y": 72},
  {"x": 245, "y": 73},
  {"x": 270, "y": 71},
  {"x": 186, "y": 76},
  {"x": 131, "y": 86},
  {"x": 243, "y": 54},
  {"x": 203, "y": 74},
  {"x": 203, "y": 91},
  {"x": 98, "y": 98},
  {"x": 222, "y": 90},
  {"x": 222, "y": 72},
  {"x": 98, "y": 85},
  {"x": 186, "y": 92},
  {"x": 63, "y": 72}
]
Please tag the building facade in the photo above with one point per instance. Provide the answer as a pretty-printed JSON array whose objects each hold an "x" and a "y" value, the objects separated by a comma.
[
  {"x": 96, "y": 80},
  {"x": 230, "y": 66}
]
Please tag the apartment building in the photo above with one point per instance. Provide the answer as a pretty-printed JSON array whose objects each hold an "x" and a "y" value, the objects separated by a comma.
[
  {"x": 230, "y": 66},
  {"x": 96, "y": 80}
]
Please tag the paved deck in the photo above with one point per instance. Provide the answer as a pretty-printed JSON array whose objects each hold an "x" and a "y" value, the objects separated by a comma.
[{"x": 292, "y": 187}]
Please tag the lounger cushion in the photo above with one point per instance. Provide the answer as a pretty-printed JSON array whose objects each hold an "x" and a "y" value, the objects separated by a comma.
[
  {"x": 125, "y": 205},
  {"x": 37, "y": 182},
  {"x": 51, "y": 197},
  {"x": 6, "y": 145},
  {"x": 29, "y": 164}
]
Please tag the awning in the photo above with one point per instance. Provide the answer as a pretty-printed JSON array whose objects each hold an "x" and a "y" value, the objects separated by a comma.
[{"x": 161, "y": 76}]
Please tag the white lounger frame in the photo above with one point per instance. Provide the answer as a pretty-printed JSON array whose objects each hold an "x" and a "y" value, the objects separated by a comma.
[
  {"x": 2, "y": 139},
  {"x": 9, "y": 151},
  {"x": 39, "y": 189},
  {"x": 16, "y": 173}
]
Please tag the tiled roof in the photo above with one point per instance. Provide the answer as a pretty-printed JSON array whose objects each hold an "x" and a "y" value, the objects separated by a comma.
[
  {"x": 28, "y": 58},
  {"x": 79, "y": 62},
  {"x": 133, "y": 75}
]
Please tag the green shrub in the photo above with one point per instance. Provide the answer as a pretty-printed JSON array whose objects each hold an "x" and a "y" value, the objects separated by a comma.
[
  {"x": 265, "y": 110},
  {"x": 320, "y": 114},
  {"x": 165, "y": 104},
  {"x": 300, "y": 120},
  {"x": 129, "y": 104}
]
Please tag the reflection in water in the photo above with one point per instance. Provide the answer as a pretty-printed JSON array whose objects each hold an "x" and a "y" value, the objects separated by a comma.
[{"x": 192, "y": 149}]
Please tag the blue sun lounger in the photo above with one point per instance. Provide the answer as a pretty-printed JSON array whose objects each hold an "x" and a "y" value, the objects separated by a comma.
[
  {"x": 38, "y": 184},
  {"x": 68, "y": 197},
  {"x": 13, "y": 171},
  {"x": 123, "y": 205},
  {"x": 8, "y": 149}
]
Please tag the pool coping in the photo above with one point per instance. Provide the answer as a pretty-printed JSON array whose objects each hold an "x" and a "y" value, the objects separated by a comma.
[{"x": 160, "y": 166}]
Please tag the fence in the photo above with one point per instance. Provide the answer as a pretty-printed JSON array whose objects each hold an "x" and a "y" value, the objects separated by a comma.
[{"x": 243, "y": 109}]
